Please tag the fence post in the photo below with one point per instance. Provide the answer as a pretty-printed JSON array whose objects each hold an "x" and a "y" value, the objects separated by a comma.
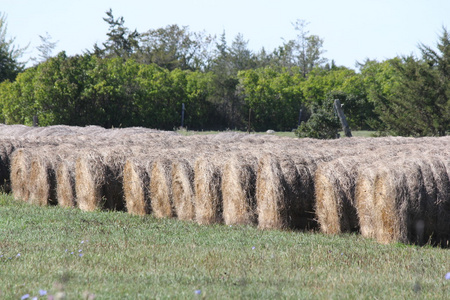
[
  {"x": 300, "y": 117},
  {"x": 340, "y": 112},
  {"x": 182, "y": 115},
  {"x": 35, "y": 121},
  {"x": 249, "y": 122}
]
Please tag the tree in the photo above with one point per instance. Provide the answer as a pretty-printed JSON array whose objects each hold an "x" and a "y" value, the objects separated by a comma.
[
  {"x": 174, "y": 47},
  {"x": 121, "y": 41},
  {"x": 9, "y": 54},
  {"x": 305, "y": 51},
  {"x": 411, "y": 95},
  {"x": 46, "y": 47},
  {"x": 308, "y": 48},
  {"x": 323, "y": 123},
  {"x": 273, "y": 97}
]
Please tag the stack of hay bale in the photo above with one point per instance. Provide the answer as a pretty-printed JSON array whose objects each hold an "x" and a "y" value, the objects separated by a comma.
[{"x": 390, "y": 189}]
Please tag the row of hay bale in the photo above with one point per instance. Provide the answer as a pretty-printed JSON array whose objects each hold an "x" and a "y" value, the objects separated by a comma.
[
  {"x": 390, "y": 189},
  {"x": 395, "y": 195}
]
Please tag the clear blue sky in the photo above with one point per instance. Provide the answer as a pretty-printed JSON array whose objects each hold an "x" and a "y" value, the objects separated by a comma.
[{"x": 352, "y": 30}]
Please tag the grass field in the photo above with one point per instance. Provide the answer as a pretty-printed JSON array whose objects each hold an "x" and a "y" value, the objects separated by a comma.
[
  {"x": 114, "y": 255},
  {"x": 361, "y": 133}
]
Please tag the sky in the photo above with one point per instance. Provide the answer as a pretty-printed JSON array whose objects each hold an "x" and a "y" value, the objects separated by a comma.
[{"x": 352, "y": 30}]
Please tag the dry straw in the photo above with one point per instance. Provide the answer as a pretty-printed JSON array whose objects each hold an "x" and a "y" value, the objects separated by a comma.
[
  {"x": 161, "y": 187},
  {"x": 272, "y": 206},
  {"x": 20, "y": 170},
  {"x": 99, "y": 178},
  {"x": 90, "y": 174},
  {"x": 42, "y": 176},
  {"x": 335, "y": 185},
  {"x": 207, "y": 183},
  {"x": 399, "y": 202},
  {"x": 65, "y": 182},
  {"x": 183, "y": 191},
  {"x": 238, "y": 189},
  {"x": 136, "y": 184},
  {"x": 437, "y": 210},
  {"x": 365, "y": 199}
]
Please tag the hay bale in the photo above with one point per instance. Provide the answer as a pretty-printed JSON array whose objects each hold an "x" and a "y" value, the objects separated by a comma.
[
  {"x": 6, "y": 149},
  {"x": 99, "y": 178},
  {"x": 303, "y": 188},
  {"x": 335, "y": 183},
  {"x": 238, "y": 190},
  {"x": 42, "y": 176},
  {"x": 399, "y": 202},
  {"x": 183, "y": 191},
  {"x": 136, "y": 184},
  {"x": 272, "y": 208},
  {"x": 207, "y": 184},
  {"x": 161, "y": 188},
  {"x": 365, "y": 200},
  {"x": 20, "y": 170},
  {"x": 65, "y": 183},
  {"x": 90, "y": 179},
  {"x": 437, "y": 210}
]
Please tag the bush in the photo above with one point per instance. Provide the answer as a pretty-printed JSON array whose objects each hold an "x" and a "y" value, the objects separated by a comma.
[{"x": 322, "y": 125}]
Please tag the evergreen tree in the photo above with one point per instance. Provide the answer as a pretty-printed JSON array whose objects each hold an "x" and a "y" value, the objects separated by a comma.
[
  {"x": 9, "y": 54},
  {"x": 419, "y": 103}
]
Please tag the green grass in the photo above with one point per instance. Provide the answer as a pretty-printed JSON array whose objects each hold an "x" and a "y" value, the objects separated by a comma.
[
  {"x": 361, "y": 133},
  {"x": 130, "y": 257}
]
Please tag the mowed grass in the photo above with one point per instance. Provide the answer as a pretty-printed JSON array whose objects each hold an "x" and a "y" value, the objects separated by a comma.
[{"x": 114, "y": 255}]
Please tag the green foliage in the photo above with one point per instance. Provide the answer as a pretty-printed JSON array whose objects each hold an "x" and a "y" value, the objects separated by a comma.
[
  {"x": 410, "y": 95},
  {"x": 121, "y": 41},
  {"x": 9, "y": 54},
  {"x": 323, "y": 123},
  {"x": 86, "y": 89},
  {"x": 274, "y": 98}
]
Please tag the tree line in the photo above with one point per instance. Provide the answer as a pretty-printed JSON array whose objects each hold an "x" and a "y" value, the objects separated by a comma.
[{"x": 142, "y": 79}]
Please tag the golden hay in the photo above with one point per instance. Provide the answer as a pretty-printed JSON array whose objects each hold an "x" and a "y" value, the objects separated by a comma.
[
  {"x": 136, "y": 184},
  {"x": 42, "y": 176},
  {"x": 161, "y": 188},
  {"x": 238, "y": 190},
  {"x": 90, "y": 178},
  {"x": 183, "y": 189},
  {"x": 399, "y": 202},
  {"x": 365, "y": 200},
  {"x": 20, "y": 169},
  {"x": 65, "y": 183},
  {"x": 335, "y": 194},
  {"x": 272, "y": 208},
  {"x": 99, "y": 178},
  {"x": 207, "y": 182},
  {"x": 437, "y": 210}
]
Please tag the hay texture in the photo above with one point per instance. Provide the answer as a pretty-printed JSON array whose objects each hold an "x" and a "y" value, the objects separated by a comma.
[
  {"x": 136, "y": 185},
  {"x": 399, "y": 202},
  {"x": 42, "y": 176},
  {"x": 272, "y": 206},
  {"x": 90, "y": 174},
  {"x": 335, "y": 183},
  {"x": 238, "y": 190},
  {"x": 207, "y": 183},
  {"x": 20, "y": 170},
  {"x": 65, "y": 182},
  {"x": 183, "y": 191},
  {"x": 161, "y": 188},
  {"x": 365, "y": 200}
]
